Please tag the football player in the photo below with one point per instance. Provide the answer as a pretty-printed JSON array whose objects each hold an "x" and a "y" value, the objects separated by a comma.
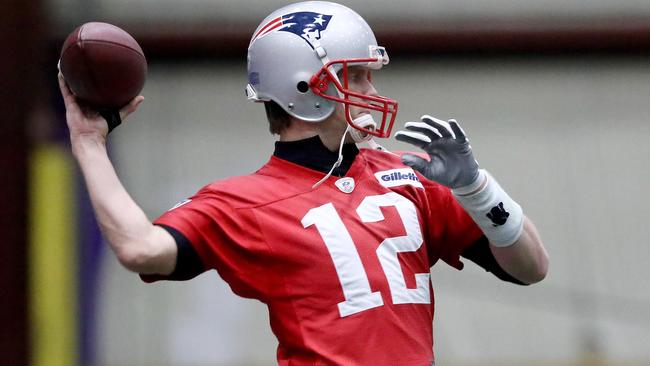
[{"x": 337, "y": 241}]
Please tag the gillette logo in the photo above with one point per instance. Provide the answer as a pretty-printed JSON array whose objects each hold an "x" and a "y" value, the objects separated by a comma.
[{"x": 398, "y": 177}]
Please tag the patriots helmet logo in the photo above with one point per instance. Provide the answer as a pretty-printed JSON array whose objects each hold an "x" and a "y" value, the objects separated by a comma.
[{"x": 306, "y": 24}]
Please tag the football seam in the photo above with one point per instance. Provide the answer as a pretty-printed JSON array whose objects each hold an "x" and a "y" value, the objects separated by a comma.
[{"x": 141, "y": 54}]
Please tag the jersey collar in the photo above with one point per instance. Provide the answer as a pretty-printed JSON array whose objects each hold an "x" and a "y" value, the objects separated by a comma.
[{"x": 313, "y": 154}]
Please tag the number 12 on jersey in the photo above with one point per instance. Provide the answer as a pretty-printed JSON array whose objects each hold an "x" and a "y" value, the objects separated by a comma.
[{"x": 348, "y": 265}]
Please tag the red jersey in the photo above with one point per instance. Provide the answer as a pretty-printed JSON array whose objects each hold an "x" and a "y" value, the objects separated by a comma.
[{"x": 344, "y": 268}]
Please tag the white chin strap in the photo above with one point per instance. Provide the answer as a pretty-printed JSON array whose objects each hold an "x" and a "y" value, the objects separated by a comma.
[{"x": 364, "y": 121}]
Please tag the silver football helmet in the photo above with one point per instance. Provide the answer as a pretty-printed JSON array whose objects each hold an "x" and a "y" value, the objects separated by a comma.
[{"x": 294, "y": 57}]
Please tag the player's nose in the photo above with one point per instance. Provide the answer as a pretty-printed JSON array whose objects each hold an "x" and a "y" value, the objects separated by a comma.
[{"x": 371, "y": 91}]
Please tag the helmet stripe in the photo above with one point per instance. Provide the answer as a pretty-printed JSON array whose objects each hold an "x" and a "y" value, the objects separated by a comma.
[{"x": 275, "y": 22}]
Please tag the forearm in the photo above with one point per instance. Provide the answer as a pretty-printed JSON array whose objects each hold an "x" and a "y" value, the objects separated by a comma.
[
  {"x": 514, "y": 241},
  {"x": 526, "y": 259},
  {"x": 128, "y": 231}
]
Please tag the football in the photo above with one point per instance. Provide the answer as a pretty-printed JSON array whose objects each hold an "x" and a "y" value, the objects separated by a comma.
[{"x": 103, "y": 65}]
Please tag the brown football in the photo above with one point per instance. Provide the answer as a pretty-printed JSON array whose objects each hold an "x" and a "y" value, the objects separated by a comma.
[{"x": 103, "y": 65}]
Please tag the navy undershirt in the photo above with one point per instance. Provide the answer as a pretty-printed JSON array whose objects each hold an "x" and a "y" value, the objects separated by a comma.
[{"x": 313, "y": 154}]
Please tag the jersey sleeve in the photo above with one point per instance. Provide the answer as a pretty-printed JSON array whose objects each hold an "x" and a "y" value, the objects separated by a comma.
[
  {"x": 188, "y": 264},
  {"x": 453, "y": 230},
  {"x": 224, "y": 237}
]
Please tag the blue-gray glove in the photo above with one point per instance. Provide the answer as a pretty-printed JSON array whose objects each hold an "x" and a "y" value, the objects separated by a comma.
[{"x": 451, "y": 162}]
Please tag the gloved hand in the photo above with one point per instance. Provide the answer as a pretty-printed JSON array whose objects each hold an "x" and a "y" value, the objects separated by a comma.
[{"x": 451, "y": 162}]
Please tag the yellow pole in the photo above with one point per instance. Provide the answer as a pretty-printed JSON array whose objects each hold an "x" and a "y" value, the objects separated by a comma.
[{"x": 53, "y": 260}]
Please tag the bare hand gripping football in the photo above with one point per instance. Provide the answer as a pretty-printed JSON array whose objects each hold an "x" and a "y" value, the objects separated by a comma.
[
  {"x": 84, "y": 121},
  {"x": 104, "y": 68}
]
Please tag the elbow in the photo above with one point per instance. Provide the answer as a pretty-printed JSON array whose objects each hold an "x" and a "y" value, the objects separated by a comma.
[
  {"x": 153, "y": 252},
  {"x": 133, "y": 257},
  {"x": 536, "y": 277},
  {"x": 539, "y": 271}
]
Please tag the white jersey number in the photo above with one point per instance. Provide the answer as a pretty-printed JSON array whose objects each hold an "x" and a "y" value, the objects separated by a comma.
[{"x": 349, "y": 269}]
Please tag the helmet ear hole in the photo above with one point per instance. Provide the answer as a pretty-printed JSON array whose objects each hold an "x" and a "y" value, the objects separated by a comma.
[{"x": 302, "y": 87}]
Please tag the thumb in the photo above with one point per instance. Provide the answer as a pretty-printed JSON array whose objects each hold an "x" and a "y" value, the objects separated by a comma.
[
  {"x": 131, "y": 107},
  {"x": 416, "y": 163}
]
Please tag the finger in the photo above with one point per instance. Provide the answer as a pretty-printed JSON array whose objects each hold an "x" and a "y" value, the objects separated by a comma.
[
  {"x": 415, "y": 162},
  {"x": 440, "y": 125},
  {"x": 458, "y": 131},
  {"x": 68, "y": 98},
  {"x": 423, "y": 128},
  {"x": 413, "y": 138},
  {"x": 131, "y": 107}
]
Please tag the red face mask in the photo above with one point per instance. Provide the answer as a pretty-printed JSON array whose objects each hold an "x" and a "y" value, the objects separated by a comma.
[{"x": 319, "y": 85}]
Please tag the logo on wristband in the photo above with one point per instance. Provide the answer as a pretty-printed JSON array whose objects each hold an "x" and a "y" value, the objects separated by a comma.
[{"x": 498, "y": 215}]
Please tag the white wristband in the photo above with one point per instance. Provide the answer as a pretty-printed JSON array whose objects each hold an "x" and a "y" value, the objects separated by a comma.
[{"x": 498, "y": 215}]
